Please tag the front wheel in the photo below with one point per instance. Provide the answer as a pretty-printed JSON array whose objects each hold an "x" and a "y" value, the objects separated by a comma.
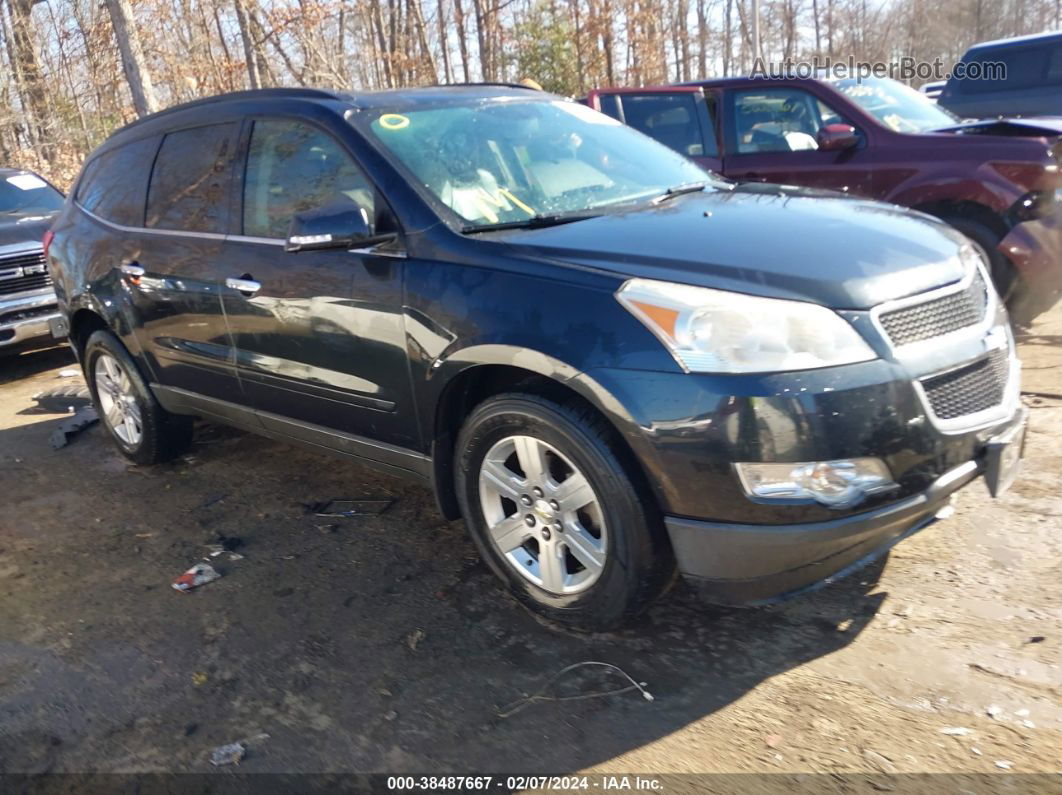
[
  {"x": 559, "y": 513},
  {"x": 984, "y": 241}
]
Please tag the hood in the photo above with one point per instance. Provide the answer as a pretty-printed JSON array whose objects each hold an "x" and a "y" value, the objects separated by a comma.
[
  {"x": 768, "y": 240},
  {"x": 24, "y": 229},
  {"x": 1009, "y": 128}
]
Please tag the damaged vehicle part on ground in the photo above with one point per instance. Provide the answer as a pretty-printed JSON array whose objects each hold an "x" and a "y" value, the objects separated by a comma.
[{"x": 584, "y": 342}]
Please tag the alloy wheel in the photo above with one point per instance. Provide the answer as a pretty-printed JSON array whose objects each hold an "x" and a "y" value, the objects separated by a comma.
[
  {"x": 118, "y": 400},
  {"x": 543, "y": 515}
]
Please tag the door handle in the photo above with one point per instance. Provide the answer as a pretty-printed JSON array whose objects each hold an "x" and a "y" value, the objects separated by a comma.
[
  {"x": 133, "y": 271},
  {"x": 243, "y": 285}
]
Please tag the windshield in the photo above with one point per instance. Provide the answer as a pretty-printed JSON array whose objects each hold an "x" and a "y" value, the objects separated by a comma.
[
  {"x": 25, "y": 194},
  {"x": 898, "y": 107},
  {"x": 509, "y": 161}
]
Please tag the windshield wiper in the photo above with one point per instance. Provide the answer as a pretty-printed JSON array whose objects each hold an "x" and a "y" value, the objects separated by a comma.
[
  {"x": 678, "y": 190},
  {"x": 534, "y": 222}
]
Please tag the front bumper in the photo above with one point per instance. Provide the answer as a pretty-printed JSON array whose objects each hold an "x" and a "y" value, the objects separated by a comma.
[
  {"x": 24, "y": 319},
  {"x": 687, "y": 431},
  {"x": 750, "y": 564}
]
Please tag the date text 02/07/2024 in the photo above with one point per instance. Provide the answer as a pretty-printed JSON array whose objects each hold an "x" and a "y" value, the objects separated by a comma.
[{"x": 513, "y": 783}]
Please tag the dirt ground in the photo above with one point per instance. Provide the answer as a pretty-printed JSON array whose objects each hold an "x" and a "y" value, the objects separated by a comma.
[{"x": 381, "y": 643}]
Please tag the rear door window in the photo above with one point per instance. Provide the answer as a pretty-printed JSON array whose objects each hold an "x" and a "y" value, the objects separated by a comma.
[
  {"x": 189, "y": 188},
  {"x": 293, "y": 167},
  {"x": 115, "y": 183},
  {"x": 671, "y": 118}
]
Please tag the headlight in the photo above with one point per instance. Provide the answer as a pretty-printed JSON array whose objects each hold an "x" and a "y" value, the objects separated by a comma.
[{"x": 715, "y": 331}]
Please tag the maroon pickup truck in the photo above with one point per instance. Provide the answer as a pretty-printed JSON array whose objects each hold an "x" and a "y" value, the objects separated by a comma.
[{"x": 995, "y": 181}]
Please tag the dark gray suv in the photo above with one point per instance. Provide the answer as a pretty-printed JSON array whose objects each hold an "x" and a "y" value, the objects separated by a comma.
[{"x": 608, "y": 361}]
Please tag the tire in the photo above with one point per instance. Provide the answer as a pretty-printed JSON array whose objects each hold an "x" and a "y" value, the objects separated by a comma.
[
  {"x": 144, "y": 432},
  {"x": 611, "y": 557},
  {"x": 1004, "y": 277}
]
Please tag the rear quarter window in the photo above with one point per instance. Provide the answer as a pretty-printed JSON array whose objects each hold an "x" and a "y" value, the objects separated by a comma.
[
  {"x": 189, "y": 188},
  {"x": 114, "y": 184}
]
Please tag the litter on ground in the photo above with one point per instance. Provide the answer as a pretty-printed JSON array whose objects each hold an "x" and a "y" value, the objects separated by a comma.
[
  {"x": 539, "y": 695},
  {"x": 230, "y": 754},
  {"x": 63, "y": 399},
  {"x": 199, "y": 574},
  {"x": 346, "y": 508},
  {"x": 81, "y": 419}
]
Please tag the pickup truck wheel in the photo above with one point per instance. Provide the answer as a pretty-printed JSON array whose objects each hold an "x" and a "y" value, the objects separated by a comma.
[
  {"x": 1004, "y": 277},
  {"x": 143, "y": 431},
  {"x": 556, "y": 514}
]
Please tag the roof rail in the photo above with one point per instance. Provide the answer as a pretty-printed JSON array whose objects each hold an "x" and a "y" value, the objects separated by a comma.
[
  {"x": 499, "y": 84},
  {"x": 258, "y": 93}
]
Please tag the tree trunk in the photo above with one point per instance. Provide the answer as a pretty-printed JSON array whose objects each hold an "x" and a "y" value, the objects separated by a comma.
[
  {"x": 815, "y": 14},
  {"x": 728, "y": 38},
  {"x": 485, "y": 65},
  {"x": 133, "y": 64},
  {"x": 421, "y": 28},
  {"x": 254, "y": 79},
  {"x": 444, "y": 48},
  {"x": 702, "y": 40},
  {"x": 462, "y": 39},
  {"x": 33, "y": 94}
]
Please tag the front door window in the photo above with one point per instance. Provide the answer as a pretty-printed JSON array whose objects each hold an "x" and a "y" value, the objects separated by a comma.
[{"x": 779, "y": 120}]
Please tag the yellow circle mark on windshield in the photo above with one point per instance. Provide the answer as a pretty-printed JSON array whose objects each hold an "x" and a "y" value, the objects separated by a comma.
[{"x": 394, "y": 121}]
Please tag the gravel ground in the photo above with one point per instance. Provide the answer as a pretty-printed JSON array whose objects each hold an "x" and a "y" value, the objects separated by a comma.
[{"x": 381, "y": 643}]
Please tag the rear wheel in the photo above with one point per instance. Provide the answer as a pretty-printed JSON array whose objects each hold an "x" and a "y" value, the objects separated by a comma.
[
  {"x": 558, "y": 514},
  {"x": 143, "y": 431}
]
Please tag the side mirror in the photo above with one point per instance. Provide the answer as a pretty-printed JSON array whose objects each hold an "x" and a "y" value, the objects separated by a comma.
[
  {"x": 341, "y": 225},
  {"x": 834, "y": 137}
]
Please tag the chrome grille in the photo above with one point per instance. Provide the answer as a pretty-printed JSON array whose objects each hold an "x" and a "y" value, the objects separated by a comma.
[
  {"x": 976, "y": 387},
  {"x": 14, "y": 277},
  {"x": 938, "y": 316}
]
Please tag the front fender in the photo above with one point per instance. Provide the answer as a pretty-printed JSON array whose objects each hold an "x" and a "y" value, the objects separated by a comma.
[
  {"x": 447, "y": 371},
  {"x": 985, "y": 187}
]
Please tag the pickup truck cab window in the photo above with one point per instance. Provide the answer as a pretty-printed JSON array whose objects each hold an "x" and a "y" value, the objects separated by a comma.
[
  {"x": 671, "y": 117},
  {"x": 779, "y": 120}
]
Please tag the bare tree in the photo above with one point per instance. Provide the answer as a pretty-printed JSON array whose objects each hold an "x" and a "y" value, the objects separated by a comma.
[
  {"x": 69, "y": 69},
  {"x": 133, "y": 64},
  {"x": 250, "y": 55}
]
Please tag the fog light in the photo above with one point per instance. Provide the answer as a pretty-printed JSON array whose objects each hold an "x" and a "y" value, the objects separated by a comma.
[{"x": 837, "y": 484}]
